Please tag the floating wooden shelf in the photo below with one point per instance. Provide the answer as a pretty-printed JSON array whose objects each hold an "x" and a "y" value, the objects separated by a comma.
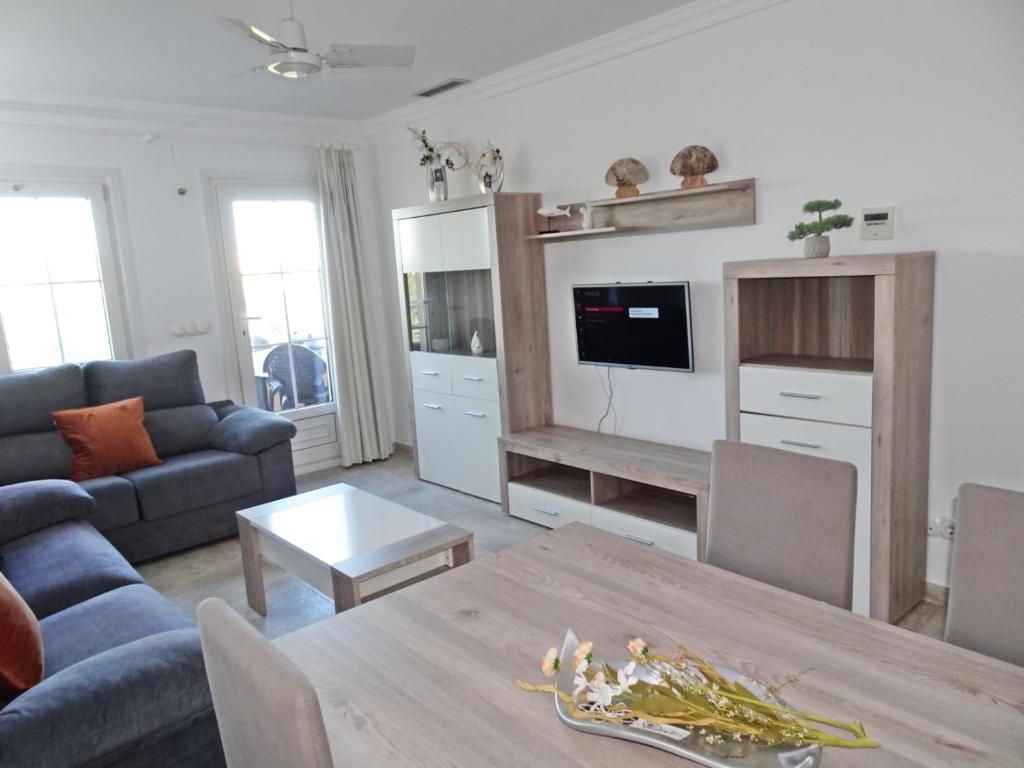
[{"x": 729, "y": 204}]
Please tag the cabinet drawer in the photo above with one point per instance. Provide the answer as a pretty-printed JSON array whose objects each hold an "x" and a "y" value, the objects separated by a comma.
[
  {"x": 645, "y": 532},
  {"x": 431, "y": 372},
  {"x": 476, "y": 425},
  {"x": 318, "y": 430},
  {"x": 546, "y": 508},
  {"x": 842, "y": 398},
  {"x": 475, "y": 377}
]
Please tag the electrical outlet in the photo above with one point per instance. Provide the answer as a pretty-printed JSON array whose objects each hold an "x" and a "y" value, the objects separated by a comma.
[
  {"x": 934, "y": 526},
  {"x": 948, "y": 528}
]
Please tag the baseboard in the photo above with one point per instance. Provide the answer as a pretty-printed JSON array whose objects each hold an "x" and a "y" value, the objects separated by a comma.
[
  {"x": 402, "y": 447},
  {"x": 316, "y": 466},
  {"x": 936, "y": 593}
]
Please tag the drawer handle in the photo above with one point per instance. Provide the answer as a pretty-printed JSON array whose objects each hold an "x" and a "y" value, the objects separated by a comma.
[
  {"x": 467, "y": 377},
  {"x": 546, "y": 511},
  {"x": 430, "y": 373},
  {"x": 801, "y": 395},
  {"x": 639, "y": 540},
  {"x": 478, "y": 414},
  {"x": 432, "y": 406},
  {"x": 800, "y": 444}
]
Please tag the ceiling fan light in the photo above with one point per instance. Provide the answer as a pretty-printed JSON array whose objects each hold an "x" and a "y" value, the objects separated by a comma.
[{"x": 294, "y": 64}]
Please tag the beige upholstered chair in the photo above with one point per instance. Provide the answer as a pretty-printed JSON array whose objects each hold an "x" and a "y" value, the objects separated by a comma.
[
  {"x": 986, "y": 585},
  {"x": 783, "y": 518},
  {"x": 267, "y": 711}
]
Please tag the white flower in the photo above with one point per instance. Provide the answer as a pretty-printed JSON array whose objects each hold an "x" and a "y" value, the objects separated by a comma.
[
  {"x": 600, "y": 691},
  {"x": 626, "y": 678},
  {"x": 580, "y": 680}
]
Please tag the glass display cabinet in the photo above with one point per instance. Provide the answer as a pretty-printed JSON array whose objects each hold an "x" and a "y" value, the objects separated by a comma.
[{"x": 445, "y": 309}]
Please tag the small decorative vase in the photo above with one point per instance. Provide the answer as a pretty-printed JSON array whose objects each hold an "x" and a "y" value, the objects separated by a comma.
[
  {"x": 440, "y": 345},
  {"x": 475, "y": 345},
  {"x": 816, "y": 247},
  {"x": 491, "y": 179},
  {"x": 437, "y": 182},
  {"x": 587, "y": 215}
]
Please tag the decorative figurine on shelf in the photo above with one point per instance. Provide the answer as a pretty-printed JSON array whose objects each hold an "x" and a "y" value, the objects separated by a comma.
[
  {"x": 475, "y": 345},
  {"x": 553, "y": 211},
  {"x": 490, "y": 169},
  {"x": 816, "y": 243},
  {"x": 587, "y": 215},
  {"x": 625, "y": 175},
  {"x": 438, "y": 159},
  {"x": 692, "y": 163}
]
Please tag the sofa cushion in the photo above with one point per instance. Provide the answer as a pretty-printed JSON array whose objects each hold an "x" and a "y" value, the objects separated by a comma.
[
  {"x": 180, "y": 430},
  {"x": 107, "y": 621},
  {"x": 21, "y": 645},
  {"x": 106, "y": 439},
  {"x": 194, "y": 480},
  {"x": 33, "y": 456},
  {"x": 64, "y": 564},
  {"x": 165, "y": 381},
  {"x": 27, "y": 507},
  {"x": 116, "y": 505},
  {"x": 27, "y": 399}
]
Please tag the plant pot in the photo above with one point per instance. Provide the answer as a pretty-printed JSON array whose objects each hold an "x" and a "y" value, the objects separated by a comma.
[
  {"x": 440, "y": 345},
  {"x": 437, "y": 182},
  {"x": 816, "y": 247}
]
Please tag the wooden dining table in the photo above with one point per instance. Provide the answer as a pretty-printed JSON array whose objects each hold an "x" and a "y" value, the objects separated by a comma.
[{"x": 427, "y": 676}]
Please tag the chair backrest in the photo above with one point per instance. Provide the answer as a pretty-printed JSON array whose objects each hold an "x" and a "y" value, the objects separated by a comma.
[
  {"x": 309, "y": 370},
  {"x": 986, "y": 585},
  {"x": 783, "y": 518},
  {"x": 267, "y": 711}
]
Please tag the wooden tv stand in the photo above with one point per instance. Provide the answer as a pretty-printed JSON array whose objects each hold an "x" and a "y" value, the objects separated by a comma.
[{"x": 652, "y": 493}]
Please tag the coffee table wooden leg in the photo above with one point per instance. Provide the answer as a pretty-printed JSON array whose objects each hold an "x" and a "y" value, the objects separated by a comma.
[
  {"x": 249, "y": 539},
  {"x": 462, "y": 553},
  {"x": 346, "y": 591}
]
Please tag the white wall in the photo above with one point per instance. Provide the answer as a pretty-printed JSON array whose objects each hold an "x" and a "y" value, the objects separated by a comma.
[
  {"x": 164, "y": 239},
  {"x": 919, "y": 104}
]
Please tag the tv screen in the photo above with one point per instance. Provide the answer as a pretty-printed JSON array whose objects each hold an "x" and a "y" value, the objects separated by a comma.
[{"x": 634, "y": 325}]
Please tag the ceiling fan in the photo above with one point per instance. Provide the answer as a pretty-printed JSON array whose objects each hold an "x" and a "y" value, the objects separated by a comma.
[{"x": 289, "y": 58}]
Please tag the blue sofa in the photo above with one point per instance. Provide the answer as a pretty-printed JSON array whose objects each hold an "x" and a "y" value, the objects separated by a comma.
[
  {"x": 124, "y": 682},
  {"x": 217, "y": 458}
]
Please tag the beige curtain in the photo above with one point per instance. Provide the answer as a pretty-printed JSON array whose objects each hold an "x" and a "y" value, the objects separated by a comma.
[{"x": 366, "y": 424}]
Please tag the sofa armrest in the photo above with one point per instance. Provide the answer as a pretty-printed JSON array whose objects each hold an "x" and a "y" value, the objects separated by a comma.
[
  {"x": 129, "y": 696},
  {"x": 28, "y": 507},
  {"x": 244, "y": 429}
]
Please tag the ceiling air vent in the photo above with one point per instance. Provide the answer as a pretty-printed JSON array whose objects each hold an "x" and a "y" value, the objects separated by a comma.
[{"x": 447, "y": 85}]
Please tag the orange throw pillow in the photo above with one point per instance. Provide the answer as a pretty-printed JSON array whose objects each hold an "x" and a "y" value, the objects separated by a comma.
[
  {"x": 21, "y": 643},
  {"x": 106, "y": 439}
]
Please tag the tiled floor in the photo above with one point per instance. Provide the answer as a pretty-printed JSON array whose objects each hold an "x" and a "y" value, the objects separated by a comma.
[{"x": 216, "y": 569}]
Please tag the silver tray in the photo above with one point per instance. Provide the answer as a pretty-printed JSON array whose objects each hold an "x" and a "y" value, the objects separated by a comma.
[{"x": 680, "y": 741}]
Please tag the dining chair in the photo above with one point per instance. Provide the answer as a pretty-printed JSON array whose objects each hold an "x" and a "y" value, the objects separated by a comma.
[
  {"x": 986, "y": 580},
  {"x": 783, "y": 518},
  {"x": 267, "y": 711}
]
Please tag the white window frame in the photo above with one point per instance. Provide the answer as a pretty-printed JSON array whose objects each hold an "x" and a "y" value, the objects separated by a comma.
[
  {"x": 111, "y": 277},
  {"x": 224, "y": 193}
]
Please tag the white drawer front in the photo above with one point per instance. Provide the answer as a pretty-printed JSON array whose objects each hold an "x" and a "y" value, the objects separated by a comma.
[
  {"x": 646, "y": 533},
  {"x": 318, "y": 430},
  {"x": 475, "y": 377},
  {"x": 431, "y": 372},
  {"x": 546, "y": 508},
  {"x": 842, "y": 398},
  {"x": 830, "y": 441},
  {"x": 476, "y": 425}
]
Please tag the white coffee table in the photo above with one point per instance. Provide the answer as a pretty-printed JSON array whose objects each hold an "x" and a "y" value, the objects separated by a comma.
[{"x": 346, "y": 543}]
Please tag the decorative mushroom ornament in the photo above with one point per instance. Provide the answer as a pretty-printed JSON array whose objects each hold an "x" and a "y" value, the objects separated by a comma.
[
  {"x": 625, "y": 174},
  {"x": 692, "y": 163}
]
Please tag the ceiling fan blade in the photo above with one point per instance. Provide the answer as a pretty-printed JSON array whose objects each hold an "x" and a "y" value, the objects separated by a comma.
[
  {"x": 252, "y": 32},
  {"x": 360, "y": 56}
]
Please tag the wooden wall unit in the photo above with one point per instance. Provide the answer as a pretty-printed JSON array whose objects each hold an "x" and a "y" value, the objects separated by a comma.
[
  {"x": 821, "y": 326},
  {"x": 458, "y": 409}
]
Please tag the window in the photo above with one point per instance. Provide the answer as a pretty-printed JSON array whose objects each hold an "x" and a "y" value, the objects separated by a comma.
[
  {"x": 55, "y": 277},
  {"x": 277, "y": 285}
]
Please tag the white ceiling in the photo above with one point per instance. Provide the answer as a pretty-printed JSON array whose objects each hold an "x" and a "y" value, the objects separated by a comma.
[{"x": 172, "y": 51}]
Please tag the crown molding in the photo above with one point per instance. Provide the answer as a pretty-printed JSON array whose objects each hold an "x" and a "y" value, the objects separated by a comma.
[
  {"x": 690, "y": 18},
  {"x": 152, "y": 120}
]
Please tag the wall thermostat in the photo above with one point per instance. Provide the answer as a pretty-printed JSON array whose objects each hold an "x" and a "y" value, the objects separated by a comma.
[{"x": 876, "y": 223}]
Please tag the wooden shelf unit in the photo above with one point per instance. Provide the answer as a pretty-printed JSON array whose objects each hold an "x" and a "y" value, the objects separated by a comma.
[
  {"x": 729, "y": 204},
  {"x": 618, "y": 479},
  {"x": 852, "y": 337}
]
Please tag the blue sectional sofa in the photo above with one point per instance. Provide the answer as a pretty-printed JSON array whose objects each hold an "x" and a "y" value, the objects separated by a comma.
[
  {"x": 217, "y": 458},
  {"x": 124, "y": 682}
]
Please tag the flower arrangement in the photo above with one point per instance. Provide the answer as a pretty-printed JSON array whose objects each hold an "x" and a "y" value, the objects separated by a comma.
[
  {"x": 685, "y": 691},
  {"x": 448, "y": 153}
]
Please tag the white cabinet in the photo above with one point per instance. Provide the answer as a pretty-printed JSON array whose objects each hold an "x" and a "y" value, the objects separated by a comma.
[
  {"x": 474, "y": 377},
  {"x": 431, "y": 372},
  {"x": 843, "y": 398},
  {"x": 465, "y": 239},
  {"x": 420, "y": 244},
  {"x": 435, "y": 449}
]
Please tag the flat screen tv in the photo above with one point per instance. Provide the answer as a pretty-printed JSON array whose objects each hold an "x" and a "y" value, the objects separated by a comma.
[{"x": 634, "y": 325}]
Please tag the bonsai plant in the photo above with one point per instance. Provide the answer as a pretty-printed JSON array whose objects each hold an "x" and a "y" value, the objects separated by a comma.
[
  {"x": 439, "y": 340},
  {"x": 816, "y": 244}
]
